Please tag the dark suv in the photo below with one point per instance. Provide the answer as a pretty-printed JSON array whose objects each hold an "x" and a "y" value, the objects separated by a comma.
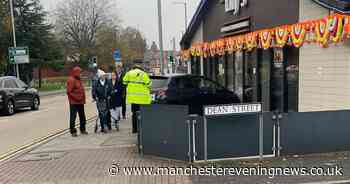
[
  {"x": 15, "y": 94},
  {"x": 195, "y": 91}
]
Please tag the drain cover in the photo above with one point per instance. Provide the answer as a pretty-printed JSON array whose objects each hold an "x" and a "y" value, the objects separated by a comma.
[{"x": 41, "y": 156}]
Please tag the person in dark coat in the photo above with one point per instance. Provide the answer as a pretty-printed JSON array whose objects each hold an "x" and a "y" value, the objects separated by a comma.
[
  {"x": 116, "y": 100},
  {"x": 102, "y": 96},
  {"x": 77, "y": 99},
  {"x": 120, "y": 75}
]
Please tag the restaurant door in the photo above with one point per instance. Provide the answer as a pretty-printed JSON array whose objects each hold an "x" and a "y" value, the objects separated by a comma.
[{"x": 271, "y": 79}]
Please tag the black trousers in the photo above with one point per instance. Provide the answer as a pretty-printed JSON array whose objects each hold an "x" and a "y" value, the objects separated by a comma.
[
  {"x": 124, "y": 107},
  {"x": 134, "y": 109},
  {"x": 74, "y": 110}
]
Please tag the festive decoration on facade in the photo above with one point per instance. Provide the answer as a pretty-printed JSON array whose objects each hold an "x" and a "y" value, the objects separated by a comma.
[
  {"x": 281, "y": 36},
  {"x": 336, "y": 28},
  {"x": 347, "y": 26},
  {"x": 331, "y": 29},
  {"x": 297, "y": 33},
  {"x": 322, "y": 31},
  {"x": 230, "y": 45},
  {"x": 239, "y": 43},
  {"x": 251, "y": 41},
  {"x": 265, "y": 38}
]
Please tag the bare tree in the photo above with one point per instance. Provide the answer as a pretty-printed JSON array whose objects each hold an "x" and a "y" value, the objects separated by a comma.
[{"x": 78, "y": 22}]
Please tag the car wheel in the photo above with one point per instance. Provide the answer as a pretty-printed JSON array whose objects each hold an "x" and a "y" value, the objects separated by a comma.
[
  {"x": 10, "y": 108},
  {"x": 35, "y": 105}
]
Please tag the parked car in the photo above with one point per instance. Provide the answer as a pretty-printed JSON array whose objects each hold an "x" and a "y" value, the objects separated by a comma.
[
  {"x": 15, "y": 94},
  {"x": 195, "y": 91}
]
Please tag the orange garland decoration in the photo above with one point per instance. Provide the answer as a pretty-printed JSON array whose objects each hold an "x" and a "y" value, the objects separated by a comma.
[
  {"x": 332, "y": 28},
  {"x": 298, "y": 33},
  {"x": 265, "y": 38},
  {"x": 322, "y": 31},
  {"x": 206, "y": 50},
  {"x": 282, "y": 36},
  {"x": 251, "y": 41},
  {"x": 230, "y": 45},
  {"x": 336, "y": 28},
  {"x": 347, "y": 26},
  {"x": 239, "y": 43}
]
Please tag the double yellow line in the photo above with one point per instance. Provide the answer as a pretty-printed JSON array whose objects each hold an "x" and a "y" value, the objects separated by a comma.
[{"x": 37, "y": 142}]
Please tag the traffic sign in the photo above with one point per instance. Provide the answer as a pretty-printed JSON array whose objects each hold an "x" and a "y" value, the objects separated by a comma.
[
  {"x": 116, "y": 55},
  {"x": 19, "y": 55}
]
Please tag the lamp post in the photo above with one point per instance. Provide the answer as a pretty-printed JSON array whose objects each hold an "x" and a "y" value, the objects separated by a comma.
[
  {"x": 160, "y": 30},
  {"x": 185, "y": 5},
  {"x": 14, "y": 35}
]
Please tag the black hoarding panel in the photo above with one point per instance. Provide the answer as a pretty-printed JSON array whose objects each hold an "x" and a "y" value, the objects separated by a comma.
[
  {"x": 315, "y": 132},
  {"x": 165, "y": 131}
]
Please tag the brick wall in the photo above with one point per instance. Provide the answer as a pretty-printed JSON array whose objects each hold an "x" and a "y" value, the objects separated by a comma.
[{"x": 324, "y": 73}]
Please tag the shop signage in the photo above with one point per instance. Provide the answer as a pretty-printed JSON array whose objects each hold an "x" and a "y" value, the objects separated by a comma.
[
  {"x": 342, "y": 6},
  {"x": 235, "y": 26},
  {"x": 235, "y": 5},
  {"x": 232, "y": 109},
  {"x": 278, "y": 58}
]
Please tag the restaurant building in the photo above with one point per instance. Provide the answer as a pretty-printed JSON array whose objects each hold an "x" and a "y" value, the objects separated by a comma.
[{"x": 274, "y": 51}]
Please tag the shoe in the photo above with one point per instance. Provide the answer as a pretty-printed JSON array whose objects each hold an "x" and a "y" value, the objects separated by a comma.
[
  {"x": 85, "y": 133},
  {"x": 74, "y": 135},
  {"x": 104, "y": 131},
  {"x": 124, "y": 117}
]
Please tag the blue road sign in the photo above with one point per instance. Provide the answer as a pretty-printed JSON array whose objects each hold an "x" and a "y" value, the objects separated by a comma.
[{"x": 116, "y": 55}]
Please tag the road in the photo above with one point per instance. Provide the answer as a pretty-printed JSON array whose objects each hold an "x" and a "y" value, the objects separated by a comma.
[{"x": 26, "y": 126}]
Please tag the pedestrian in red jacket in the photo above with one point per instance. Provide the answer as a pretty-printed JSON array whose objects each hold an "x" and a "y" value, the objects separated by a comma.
[{"x": 76, "y": 97}]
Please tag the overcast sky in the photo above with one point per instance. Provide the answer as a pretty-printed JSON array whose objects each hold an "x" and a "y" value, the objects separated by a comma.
[{"x": 142, "y": 14}]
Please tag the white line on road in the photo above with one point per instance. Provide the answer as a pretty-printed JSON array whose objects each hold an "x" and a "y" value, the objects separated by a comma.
[{"x": 330, "y": 182}]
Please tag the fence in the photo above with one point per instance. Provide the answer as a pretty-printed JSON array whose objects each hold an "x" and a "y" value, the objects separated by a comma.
[{"x": 168, "y": 131}]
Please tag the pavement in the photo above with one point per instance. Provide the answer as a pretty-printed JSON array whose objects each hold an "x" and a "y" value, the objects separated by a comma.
[
  {"x": 95, "y": 158},
  {"x": 27, "y": 126}
]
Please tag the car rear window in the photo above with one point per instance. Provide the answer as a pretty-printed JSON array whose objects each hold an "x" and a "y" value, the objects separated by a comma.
[{"x": 159, "y": 82}]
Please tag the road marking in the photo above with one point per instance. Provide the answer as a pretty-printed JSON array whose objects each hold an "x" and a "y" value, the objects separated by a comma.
[
  {"x": 330, "y": 182},
  {"x": 37, "y": 142}
]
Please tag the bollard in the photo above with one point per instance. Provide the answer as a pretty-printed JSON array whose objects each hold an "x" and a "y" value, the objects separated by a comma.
[{"x": 139, "y": 135}]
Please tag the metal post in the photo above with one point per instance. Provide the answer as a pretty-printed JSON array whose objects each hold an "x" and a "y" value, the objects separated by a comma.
[
  {"x": 205, "y": 138},
  {"x": 186, "y": 20},
  {"x": 279, "y": 148},
  {"x": 274, "y": 140},
  {"x": 160, "y": 29},
  {"x": 261, "y": 136},
  {"x": 14, "y": 35},
  {"x": 194, "y": 139},
  {"x": 189, "y": 140}
]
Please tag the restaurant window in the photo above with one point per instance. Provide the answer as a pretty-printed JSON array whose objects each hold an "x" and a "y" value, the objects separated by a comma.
[
  {"x": 230, "y": 72},
  {"x": 249, "y": 76},
  {"x": 239, "y": 69},
  {"x": 292, "y": 80},
  {"x": 221, "y": 78}
]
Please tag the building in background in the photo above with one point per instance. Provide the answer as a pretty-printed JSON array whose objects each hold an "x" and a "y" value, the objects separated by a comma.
[
  {"x": 309, "y": 78},
  {"x": 171, "y": 60}
]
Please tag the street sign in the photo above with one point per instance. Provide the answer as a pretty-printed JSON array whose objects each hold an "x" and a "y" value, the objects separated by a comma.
[
  {"x": 230, "y": 109},
  {"x": 19, "y": 55},
  {"x": 116, "y": 55}
]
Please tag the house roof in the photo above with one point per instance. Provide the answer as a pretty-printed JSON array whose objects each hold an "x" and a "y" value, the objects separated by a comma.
[{"x": 195, "y": 21}]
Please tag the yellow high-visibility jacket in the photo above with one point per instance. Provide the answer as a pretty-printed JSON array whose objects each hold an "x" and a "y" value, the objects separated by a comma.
[{"x": 138, "y": 87}]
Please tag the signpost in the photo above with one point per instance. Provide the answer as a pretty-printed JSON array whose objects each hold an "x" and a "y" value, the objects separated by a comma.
[
  {"x": 117, "y": 55},
  {"x": 231, "y": 110},
  {"x": 19, "y": 55}
]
